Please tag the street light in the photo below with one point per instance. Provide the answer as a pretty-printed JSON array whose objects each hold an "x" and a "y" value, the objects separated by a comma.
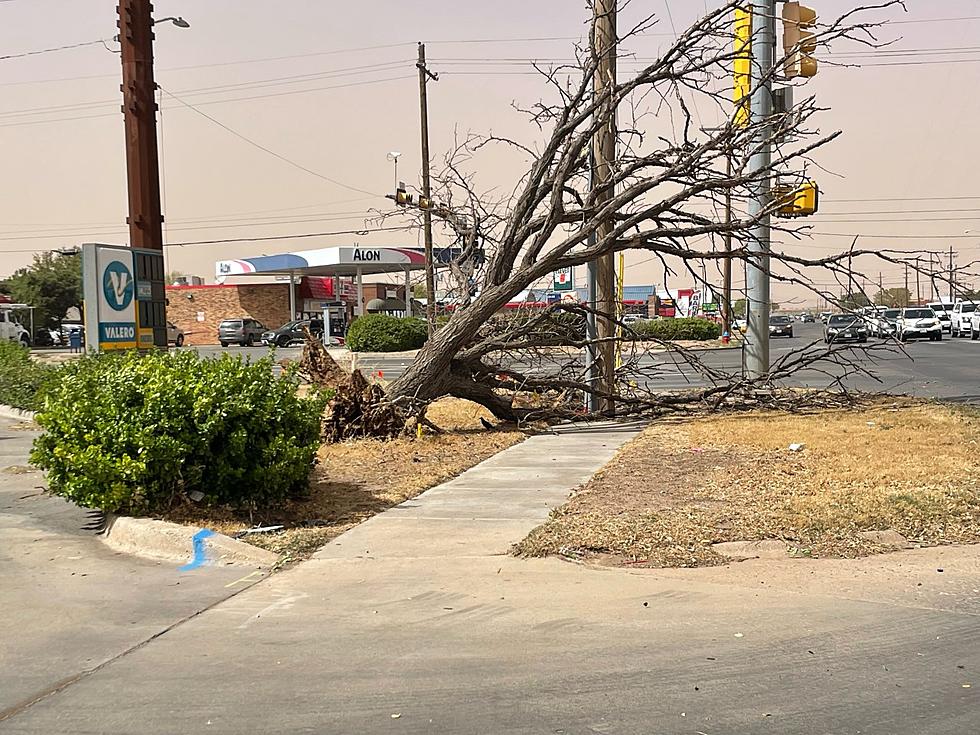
[
  {"x": 393, "y": 156},
  {"x": 178, "y": 21}
]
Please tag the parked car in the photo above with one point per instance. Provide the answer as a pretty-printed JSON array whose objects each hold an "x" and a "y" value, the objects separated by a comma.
[
  {"x": 780, "y": 326},
  {"x": 808, "y": 318},
  {"x": 44, "y": 337},
  {"x": 175, "y": 335},
  {"x": 629, "y": 319},
  {"x": 919, "y": 321},
  {"x": 740, "y": 325},
  {"x": 824, "y": 316},
  {"x": 845, "y": 328},
  {"x": 12, "y": 329},
  {"x": 245, "y": 332},
  {"x": 975, "y": 325},
  {"x": 943, "y": 311},
  {"x": 292, "y": 332},
  {"x": 960, "y": 318},
  {"x": 884, "y": 325}
]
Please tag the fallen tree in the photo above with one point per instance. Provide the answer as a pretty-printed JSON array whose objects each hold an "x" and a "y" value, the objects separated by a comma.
[{"x": 665, "y": 195}]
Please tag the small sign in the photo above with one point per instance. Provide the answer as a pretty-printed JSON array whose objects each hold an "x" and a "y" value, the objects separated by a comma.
[
  {"x": 564, "y": 279},
  {"x": 144, "y": 291},
  {"x": 200, "y": 316}
]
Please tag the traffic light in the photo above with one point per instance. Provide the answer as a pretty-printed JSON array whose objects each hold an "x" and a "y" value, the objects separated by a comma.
[
  {"x": 800, "y": 201},
  {"x": 402, "y": 197},
  {"x": 742, "y": 94},
  {"x": 798, "y": 43}
]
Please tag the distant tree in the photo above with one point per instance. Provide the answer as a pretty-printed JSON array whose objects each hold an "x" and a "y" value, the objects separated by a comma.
[
  {"x": 52, "y": 284},
  {"x": 894, "y": 298},
  {"x": 971, "y": 295},
  {"x": 172, "y": 276},
  {"x": 855, "y": 301}
]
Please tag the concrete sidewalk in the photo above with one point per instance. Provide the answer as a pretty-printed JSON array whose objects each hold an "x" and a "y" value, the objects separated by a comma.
[{"x": 492, "y": 505}]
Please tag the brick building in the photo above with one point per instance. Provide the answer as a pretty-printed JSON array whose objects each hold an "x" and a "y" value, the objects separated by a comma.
[{"x": 198, "y": 310}]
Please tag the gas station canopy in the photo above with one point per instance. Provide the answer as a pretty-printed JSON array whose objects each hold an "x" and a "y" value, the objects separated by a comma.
[{"x": 335, "y": 261}]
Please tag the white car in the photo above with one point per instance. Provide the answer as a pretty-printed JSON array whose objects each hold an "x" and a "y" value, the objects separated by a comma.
[
  {"x": 175, "y": 335},
  {"x": 884, "y": 324},
  {"x": 960, "y": 318},
  {"x": 943, "y": 311},
  {"x": 12, "y": 329},
  {"x": 975, "y": 325},
  {"x": 919, "y": 321}
]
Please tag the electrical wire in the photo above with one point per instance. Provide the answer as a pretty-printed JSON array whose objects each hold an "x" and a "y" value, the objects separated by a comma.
[{"x": 52, "y": 50}]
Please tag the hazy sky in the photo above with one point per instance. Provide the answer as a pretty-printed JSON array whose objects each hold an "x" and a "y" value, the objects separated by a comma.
[{"x": 332, "y": 87}]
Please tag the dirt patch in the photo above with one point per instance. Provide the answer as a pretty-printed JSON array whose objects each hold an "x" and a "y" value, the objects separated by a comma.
[
  {"x": 681, "y": 486},
  {"x": 355, "y": 480}
]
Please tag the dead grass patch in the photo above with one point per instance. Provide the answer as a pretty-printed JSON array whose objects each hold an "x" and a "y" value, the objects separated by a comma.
[
  {"x": 681, "y": 486},
  {"x": 357, "y": 479}
]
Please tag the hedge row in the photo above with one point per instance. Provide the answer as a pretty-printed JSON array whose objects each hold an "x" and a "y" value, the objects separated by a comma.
[
  {"x": 386, "y": 333},
  {"x": 139, "y": 433},
  {"x": 670, "y": 330},
  {"x": 22, "y": 380}
]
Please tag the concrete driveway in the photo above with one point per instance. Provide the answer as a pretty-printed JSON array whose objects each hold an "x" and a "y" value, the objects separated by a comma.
[{"x": 69, "y": 604}]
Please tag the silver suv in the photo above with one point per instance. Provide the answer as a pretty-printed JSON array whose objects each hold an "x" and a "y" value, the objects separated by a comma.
[{"x": 245, "y": 332}]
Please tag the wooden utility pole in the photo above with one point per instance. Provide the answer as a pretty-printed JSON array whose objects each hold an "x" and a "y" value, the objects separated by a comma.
[
  {"x": 918, "y": 285},
  {"x": 604, "y": 41},
  {"x": 906, "y": 297},
  {"x": 952, "y": 277},
  {"x": 139, "y": 108},
  {"x": 430, "y": 285}
]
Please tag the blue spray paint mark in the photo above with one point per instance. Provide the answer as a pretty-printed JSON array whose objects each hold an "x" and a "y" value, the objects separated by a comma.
[{"x": 200, "y": 553}]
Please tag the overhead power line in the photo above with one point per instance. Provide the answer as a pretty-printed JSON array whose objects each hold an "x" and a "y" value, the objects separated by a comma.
[
  {"x": 271, "y": 152},
  {"x": 53, "y": 49}
]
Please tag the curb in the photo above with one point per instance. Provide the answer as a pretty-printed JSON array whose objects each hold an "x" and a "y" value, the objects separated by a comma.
[
  {"x": 9, "y": 412},
  {"x": 186, "y": 545}
]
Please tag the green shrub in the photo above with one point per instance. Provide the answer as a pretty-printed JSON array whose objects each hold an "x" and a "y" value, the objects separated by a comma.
[
  {"x": 385, "y": 333},
  {"x": 22, "y": 380},
  {"x": 136, "y": 433},
  {"x": 670, "y": 330}
]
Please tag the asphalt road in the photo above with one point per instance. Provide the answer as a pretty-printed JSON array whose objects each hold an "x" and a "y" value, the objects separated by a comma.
[{"x": 949, "y": 369}]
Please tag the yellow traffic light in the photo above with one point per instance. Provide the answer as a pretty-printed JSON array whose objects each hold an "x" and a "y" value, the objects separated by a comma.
[
  {"x": 800, "y": 201},
  {"x": 742, "y": 94},
  {"x": 403, "y": 198},
  {"x": 798, "y": 43}
]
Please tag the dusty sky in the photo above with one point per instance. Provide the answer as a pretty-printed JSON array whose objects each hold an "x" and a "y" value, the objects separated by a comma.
[{"x": 909, "y": 147}]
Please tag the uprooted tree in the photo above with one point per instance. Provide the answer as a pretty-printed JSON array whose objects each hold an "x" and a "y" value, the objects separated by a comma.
[{"x": 664, "y": 194}]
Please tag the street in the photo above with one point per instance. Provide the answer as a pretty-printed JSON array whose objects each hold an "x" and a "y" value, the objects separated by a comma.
[{"x": 947, "y": 369}]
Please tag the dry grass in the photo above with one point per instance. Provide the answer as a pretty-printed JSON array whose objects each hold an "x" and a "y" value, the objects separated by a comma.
[
  {"x": 356, "y": 480},
  {"x": 909, "y": 466}
]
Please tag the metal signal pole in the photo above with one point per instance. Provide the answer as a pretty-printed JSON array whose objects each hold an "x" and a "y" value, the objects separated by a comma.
[
  {"x": 603, "y": 161},
  {"x": 757, "y": 265},
  {"x": 430, "y": 286},
  {"x": 139, "y": 108}
]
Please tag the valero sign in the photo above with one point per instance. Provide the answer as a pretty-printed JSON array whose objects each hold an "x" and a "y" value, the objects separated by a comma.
[{"x": 112, "y": 297}]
